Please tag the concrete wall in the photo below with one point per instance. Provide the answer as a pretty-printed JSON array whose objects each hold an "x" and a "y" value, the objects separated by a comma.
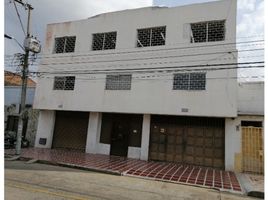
[
  {"x": 13, "y": 93},
  {"x": 45, "y": 128},
  {"x": 233, "y": 141},
  {"x": 251, "y": 98},
  {"x": 150, "y": 93}
]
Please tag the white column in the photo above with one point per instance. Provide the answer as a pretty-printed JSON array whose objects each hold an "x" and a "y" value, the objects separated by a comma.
[
  {"x": 145, "y": 136},
  {"x": 45, "y": 128},
  {"x": 232, "y": 142},
  {"x": 93, "y": 132}
]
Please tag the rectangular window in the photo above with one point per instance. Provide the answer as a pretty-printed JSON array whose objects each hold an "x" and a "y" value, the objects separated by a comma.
[
  {"x": 118, "y": 82},
  {"x": 151, "y": 36},
  {"x": 103, "y": 41},
  {"x": 64, "y": 82},
  {"x": 64, "y": 44},
  {"x": 208, "y": 31},
  {"x": 189, "y": 81}
]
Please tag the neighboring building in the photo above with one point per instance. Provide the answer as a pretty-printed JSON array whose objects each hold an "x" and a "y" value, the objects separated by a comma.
[
  {"x": 152, "y": 83},
  {"x": 12, "y": 91},
  {"x": 244, "y": 134}
]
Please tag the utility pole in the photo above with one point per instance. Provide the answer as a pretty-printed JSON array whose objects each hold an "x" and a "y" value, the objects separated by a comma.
[{"x": 24, "y": 77}]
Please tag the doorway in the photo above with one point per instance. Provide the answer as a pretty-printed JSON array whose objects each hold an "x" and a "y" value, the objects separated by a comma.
[{"x": 119, "y": 139}]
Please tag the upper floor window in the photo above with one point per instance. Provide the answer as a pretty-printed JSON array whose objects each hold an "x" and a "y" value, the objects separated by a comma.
[
  {"x": 64, "y": 44},
  {"x": 151, "y": 36},
  {"x": 208, "y": 31},
  {"x": 118, "y": 82},
  {"x": 189, "y": 81},
  {"x": 64, "y": 82},
  {"x": 103, "y": 41}
]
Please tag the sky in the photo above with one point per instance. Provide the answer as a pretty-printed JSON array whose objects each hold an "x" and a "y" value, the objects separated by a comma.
[{"x": 250, "y": 19}]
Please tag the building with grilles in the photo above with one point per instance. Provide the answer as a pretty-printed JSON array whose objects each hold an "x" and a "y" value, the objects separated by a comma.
[{"x": 152, "y": 83}]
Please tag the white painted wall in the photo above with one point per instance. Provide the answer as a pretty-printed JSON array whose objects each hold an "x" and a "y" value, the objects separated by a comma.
[
  {"x": 251, "y": 98},
  {"x": 153, "y": 95},
  {"x": 233, "y": 138},
  {"x": 45, "y": 128}
]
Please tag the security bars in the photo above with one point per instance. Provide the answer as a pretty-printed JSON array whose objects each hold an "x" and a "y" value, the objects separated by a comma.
[
  {"x": 64, "y": 82},
  {"x": 64, "y": 44},
  {"x": 151, "y": 36},
  {"x": 189, "y": 81},
  {"x": 103, "y": 41},
  {"x": 118, "y": 82},
  {"x": 208, "y": 31}
]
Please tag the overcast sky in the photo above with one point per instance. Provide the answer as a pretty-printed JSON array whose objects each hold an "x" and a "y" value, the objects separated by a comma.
[{"x": 250, "y": 20}]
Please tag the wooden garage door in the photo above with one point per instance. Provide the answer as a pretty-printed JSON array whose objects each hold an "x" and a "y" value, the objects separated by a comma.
[
  {"x": 70, "y": 130},
  {"x": 194, "y": 141}
]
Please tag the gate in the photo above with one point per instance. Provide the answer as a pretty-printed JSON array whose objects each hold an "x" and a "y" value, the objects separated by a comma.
[
  {"x": 189, "y": 140},
  {"x": 252, "y": 150}
]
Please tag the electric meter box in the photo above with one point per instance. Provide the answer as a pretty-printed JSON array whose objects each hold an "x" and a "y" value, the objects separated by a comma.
[{"x": 32, "y": 45}]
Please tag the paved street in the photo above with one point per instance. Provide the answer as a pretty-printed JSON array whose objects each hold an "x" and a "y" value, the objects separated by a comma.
[{"x": 40, "y": 181}]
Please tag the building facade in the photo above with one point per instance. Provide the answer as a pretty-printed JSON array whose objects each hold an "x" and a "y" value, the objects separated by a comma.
[{"x": 153, "y": 83}]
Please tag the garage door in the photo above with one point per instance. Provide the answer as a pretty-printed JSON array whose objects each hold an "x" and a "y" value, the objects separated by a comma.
[
  {"x": 189, "y": 140},
  {"x": 70, "y": 130}
]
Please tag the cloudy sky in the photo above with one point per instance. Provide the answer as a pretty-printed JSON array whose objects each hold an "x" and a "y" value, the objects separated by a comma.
[{"x": 250, "y": 20}]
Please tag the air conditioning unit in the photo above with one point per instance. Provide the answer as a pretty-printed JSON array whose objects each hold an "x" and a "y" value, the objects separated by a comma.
[{"x": 32, "y": 44}]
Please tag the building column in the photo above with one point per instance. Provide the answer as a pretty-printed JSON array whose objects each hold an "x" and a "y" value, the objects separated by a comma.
[
  {"x": 45, "y": 129},
  {"x": 233, "y": 154},
  {"x": 145, "y": 136},
  {"x": 93, "y": 132}
]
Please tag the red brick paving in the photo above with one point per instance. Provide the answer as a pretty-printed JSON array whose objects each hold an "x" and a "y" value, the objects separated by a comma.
[{"x": 172, "y": 172}]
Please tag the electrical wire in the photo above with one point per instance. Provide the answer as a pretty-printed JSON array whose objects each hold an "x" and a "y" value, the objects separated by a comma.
[{"x": 19, "y": 17}]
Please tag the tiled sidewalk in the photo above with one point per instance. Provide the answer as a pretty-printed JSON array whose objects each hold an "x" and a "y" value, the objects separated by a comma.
[{"x": 170, "y": 172}]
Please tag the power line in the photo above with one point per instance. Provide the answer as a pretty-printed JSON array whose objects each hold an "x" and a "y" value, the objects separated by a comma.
[
  {"x": 148, "y": 58},
  {"x": 19, "y": 17},
  {"x": 139, "y": 50},
  {"x": 163, "y": 69}
]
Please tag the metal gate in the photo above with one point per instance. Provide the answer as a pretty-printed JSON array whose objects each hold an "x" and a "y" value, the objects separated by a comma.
[
  {"x": 194, "y": 141},
  {"x": 252, "y": 150},
  {"x": 70, "y": 131}
]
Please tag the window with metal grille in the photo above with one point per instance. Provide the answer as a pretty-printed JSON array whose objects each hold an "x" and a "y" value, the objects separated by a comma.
[
  {"x": 208, "y": 31},
  {"x": 64, "y": 44},
  {"x": 151, "y": 36},
  {"x": 103, "y": 41},
  {"x": 118, "y": 82},
  {"x": 189, "y": 81},
  {"x": 64, "y": 82}
]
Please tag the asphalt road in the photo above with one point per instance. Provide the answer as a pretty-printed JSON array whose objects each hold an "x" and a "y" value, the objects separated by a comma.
[{"x": 41, "y": 181}]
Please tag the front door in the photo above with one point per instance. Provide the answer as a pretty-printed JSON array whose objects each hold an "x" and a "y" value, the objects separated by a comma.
[{"x": 119, "y": 139}]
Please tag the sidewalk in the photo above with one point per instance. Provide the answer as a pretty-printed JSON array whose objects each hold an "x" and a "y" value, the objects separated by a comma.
[{"x": 161, "y": 171}]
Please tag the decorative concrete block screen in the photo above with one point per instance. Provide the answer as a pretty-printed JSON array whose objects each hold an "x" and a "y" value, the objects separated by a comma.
[
  {"x": 189, "y": 81},
  {"x": 103, "y": 41},
  {"x": 64, "y": 82},
  {"x": 151, "y": 36},
  {"x": 64, "y": 44},
  {"x": 208, "y": 31},
  {"x": 118, "y": 82}
]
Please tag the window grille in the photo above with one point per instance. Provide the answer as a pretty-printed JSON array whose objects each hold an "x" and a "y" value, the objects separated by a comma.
[
  {"x": 103, "y": 41},
  {"x": 64, "y": 82},
  {"x": 64, "y": 44},
  {"x": 189, "y": 81},
  {"x": 118, "y": 82},
  {"x": 151, "y": 36},
  {"x": 208, "y": 31}
]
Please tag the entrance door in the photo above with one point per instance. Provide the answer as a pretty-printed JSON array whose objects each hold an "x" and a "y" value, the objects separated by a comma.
[
  {"x": 252, "y": 149},
  {"x": 119, "y": 139}
]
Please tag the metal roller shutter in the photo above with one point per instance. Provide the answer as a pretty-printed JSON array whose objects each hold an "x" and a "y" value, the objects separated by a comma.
[{"x": 70, "y": 131}]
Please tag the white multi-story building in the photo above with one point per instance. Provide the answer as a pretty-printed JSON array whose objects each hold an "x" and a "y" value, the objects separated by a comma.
[{"x": 152, "y": 83}]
